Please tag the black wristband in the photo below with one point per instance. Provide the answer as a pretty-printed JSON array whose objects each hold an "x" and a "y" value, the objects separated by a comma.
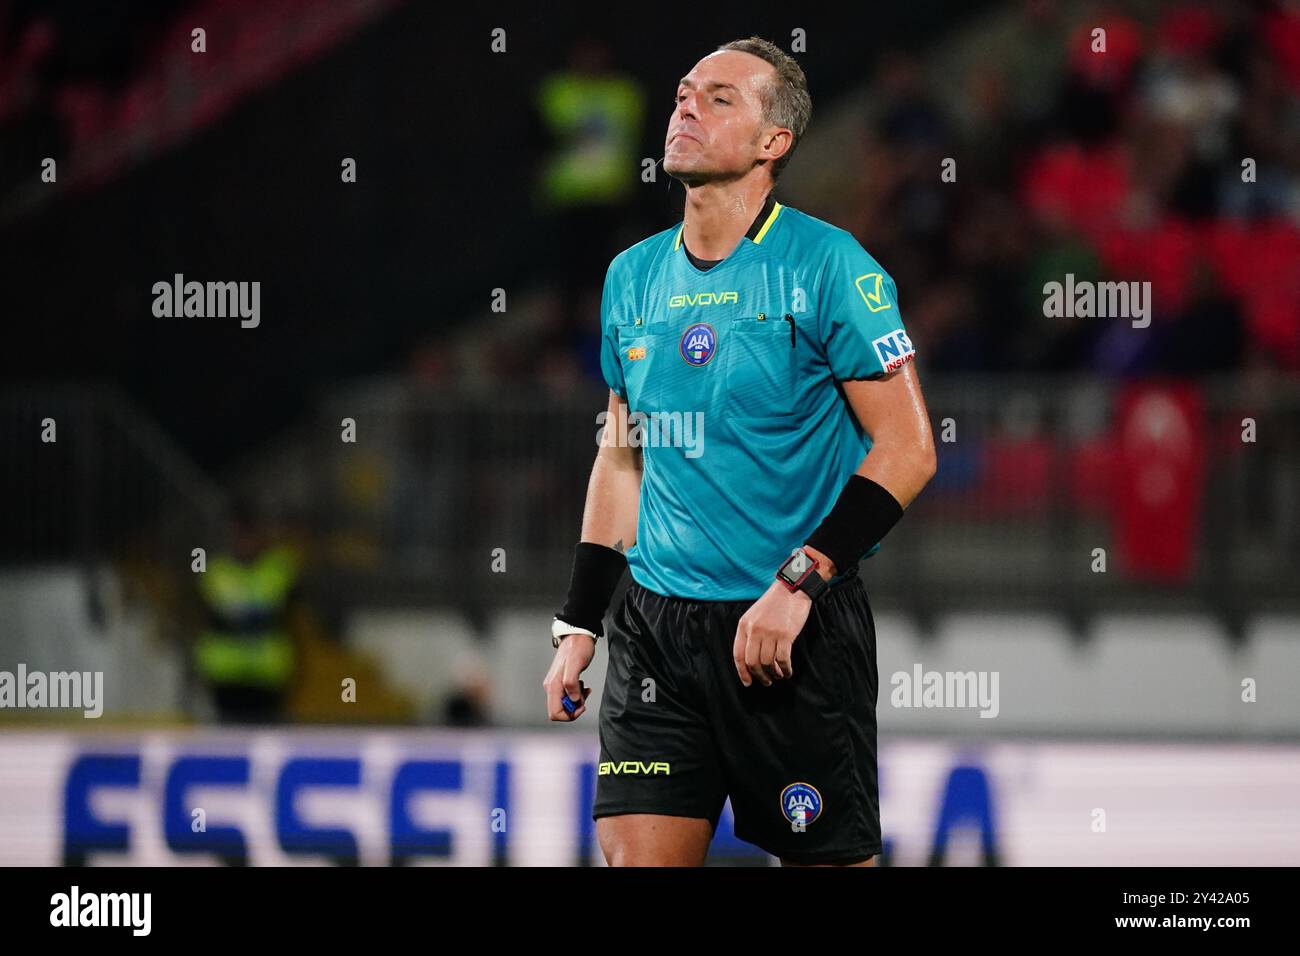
[
  {"x": 597, "y": 569},
  {"x": 862, "y": 515}
]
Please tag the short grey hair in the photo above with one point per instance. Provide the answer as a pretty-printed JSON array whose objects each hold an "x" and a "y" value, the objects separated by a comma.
[{"x": 785, "y": 100}]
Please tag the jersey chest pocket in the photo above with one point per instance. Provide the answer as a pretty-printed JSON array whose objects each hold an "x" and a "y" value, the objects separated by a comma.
[
  {"x": 761, "y": 357},
  {"x": 641, "y": 353}
]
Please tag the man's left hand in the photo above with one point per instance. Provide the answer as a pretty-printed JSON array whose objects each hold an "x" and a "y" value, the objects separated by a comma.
[{"x": 766, "y": 633}]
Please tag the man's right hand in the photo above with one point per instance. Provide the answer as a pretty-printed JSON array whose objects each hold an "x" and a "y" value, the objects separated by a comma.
[{"x": 571, "y": 659}]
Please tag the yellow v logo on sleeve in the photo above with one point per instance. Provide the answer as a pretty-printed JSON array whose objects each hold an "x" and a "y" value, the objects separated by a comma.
[{"x": 871, "y": 288}]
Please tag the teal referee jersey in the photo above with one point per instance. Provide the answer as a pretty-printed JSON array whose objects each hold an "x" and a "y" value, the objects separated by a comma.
[{"x": 729, "y": 373}]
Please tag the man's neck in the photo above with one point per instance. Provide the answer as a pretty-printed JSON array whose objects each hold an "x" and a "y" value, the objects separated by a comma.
[{"x": 719, "y": 214}]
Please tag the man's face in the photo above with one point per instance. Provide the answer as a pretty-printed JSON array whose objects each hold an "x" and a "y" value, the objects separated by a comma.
[{"x": 715, "y": 131}]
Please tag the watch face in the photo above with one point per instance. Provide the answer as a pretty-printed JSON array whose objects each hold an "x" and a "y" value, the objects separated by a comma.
[{"x": 795, "y": 567}]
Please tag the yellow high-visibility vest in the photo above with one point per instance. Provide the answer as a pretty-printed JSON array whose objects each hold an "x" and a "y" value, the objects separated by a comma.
[
  {"x": 597, "y": 120},
  {"x": 252, "y": 647}
]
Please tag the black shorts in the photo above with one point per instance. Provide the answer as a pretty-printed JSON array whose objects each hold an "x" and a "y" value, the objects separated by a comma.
[{"x": 679, "y": 732}]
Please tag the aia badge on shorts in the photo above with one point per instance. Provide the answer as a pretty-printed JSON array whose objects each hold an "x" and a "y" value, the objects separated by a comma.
[
  {"x": 801, "y": 801},
  {"x": 698, "y": 344}
]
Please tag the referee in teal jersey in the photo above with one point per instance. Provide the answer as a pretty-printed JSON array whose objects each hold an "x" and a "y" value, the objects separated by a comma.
[{"x": 765, "y": 429}]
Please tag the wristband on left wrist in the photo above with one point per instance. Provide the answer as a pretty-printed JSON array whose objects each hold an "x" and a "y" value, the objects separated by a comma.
[{"x": 860, "y": 518}]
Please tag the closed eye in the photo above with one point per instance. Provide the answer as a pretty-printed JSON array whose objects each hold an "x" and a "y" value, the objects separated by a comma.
[{"x": 717, "y": 99}]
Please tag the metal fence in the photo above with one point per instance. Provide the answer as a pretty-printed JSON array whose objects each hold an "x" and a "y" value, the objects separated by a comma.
[
  {"x": 88, "y": 481},
  {"x": 424, "y": 498},
  {"x": 1034, "y": 477}
]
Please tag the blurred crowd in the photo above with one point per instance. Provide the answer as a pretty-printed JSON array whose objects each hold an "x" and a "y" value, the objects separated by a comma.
[
  {"x": 1160, "y": 147},
  {"x": 1162, "y": 151},
  {"x": 1148, "y": 141}
]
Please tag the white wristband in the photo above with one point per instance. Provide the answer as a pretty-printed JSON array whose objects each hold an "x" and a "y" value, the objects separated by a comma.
[{"x": 559, "y": 629}]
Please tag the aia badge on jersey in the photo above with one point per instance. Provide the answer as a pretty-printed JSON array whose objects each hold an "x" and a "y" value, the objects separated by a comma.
[
  {"x": 800, "y": 802},
  {"x": 894, "y": 350},
  {"x": 698, "y": 344}
]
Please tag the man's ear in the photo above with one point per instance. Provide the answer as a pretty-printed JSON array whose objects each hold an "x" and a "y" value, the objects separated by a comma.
[{"x": 771, "y": 136}]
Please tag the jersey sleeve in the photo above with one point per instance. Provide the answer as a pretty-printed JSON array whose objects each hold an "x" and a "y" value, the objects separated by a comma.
[
  {"x": 858, "y": 317},
  {"x": 611, "y": 298}
]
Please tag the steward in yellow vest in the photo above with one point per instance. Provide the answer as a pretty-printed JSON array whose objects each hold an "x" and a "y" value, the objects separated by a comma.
[{"x": 245, "y": 653}]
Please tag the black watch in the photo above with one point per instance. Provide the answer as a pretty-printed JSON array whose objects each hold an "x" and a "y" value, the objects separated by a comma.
[{"x": 799, "y": 573}]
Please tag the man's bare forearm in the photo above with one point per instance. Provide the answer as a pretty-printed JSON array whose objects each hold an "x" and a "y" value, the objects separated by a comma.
[
  {"x": 902, "y": 457},
  {"x": 901, "y": 470},
  {"x": 901, "y": 467},
  {"x": 614, "y": 489}
]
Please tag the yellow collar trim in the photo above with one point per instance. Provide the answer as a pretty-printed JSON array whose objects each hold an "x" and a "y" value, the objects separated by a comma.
[
  {"x": 771, "y": 218},
  {"x": 776, "y": 211}
]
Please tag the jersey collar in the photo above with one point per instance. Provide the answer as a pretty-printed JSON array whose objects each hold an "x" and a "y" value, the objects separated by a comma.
[{"x": 762, "y": 222}]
